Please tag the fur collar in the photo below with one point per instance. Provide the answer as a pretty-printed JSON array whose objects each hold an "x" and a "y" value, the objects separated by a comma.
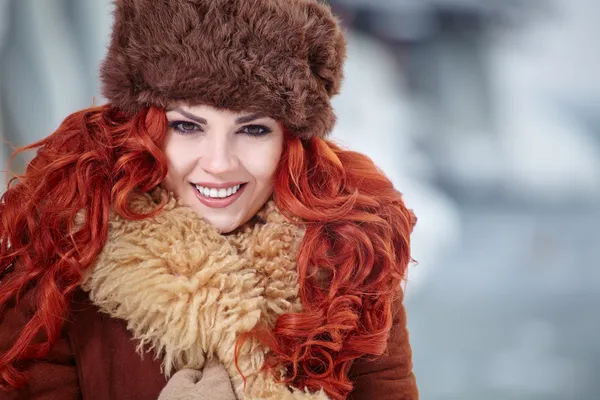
[{"x": 187, "y": 292}]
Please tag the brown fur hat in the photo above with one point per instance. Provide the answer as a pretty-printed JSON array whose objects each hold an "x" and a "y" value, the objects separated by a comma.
[{"x": 283, "y": 58}]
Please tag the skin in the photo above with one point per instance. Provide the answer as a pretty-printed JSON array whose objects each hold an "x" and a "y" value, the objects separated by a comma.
[{"x": 215, "y": 147}]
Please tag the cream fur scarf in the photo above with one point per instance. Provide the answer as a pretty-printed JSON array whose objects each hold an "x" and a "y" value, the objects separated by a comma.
[{"x": 187, "y": 292}]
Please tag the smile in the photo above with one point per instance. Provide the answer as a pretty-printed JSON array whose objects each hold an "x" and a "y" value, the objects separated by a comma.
[
  {"x": 217, "y": 193},
  {"x": 218, "y": 197}
]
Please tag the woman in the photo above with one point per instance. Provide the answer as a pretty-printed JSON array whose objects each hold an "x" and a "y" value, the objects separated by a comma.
[{"x": 200, "y": 221}]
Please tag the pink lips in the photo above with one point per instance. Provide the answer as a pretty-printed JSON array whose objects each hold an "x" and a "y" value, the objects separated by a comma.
[{"x": 218, "y": 202}]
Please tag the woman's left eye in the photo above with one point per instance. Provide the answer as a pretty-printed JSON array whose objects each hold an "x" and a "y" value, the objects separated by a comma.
[{"x": 255, "y": 130}]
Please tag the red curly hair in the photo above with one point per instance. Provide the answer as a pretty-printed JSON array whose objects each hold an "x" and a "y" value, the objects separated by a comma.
[{"x": 351, "y": 262}]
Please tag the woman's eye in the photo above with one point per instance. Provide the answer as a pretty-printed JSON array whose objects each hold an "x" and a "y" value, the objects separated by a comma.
[
  {"x": 255, "y": 130},
  {"x": 184, "y": 126}
]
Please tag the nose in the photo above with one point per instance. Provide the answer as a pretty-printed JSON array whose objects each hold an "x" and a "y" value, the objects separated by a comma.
[{"x": 218, "y": 155}]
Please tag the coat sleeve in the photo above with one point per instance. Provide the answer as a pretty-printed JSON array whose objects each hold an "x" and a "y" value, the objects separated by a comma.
[
  {"x": 52, "y": 378},
  {"x": 389, "y": 377}
]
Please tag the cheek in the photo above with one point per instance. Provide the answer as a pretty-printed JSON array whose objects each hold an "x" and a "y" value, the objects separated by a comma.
[
  {"x": 262, "y": 162},
  {"x": 181, "y": 159}
]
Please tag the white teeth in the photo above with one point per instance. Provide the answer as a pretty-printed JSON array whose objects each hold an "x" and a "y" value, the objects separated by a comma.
[{"x": 217, "y": 193}]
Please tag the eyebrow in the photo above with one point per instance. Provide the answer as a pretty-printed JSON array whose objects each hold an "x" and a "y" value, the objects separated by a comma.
[
  {"x": 240, "y": 120},
  {"x": 248, "y": 118},
  {"x": 189, "y": 115}
]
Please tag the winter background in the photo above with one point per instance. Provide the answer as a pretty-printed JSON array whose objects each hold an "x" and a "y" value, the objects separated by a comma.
[{"x": 484, "y": 113}]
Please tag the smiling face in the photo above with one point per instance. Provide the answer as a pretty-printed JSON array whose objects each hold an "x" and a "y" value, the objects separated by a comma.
[{"x": 221, "y": 163}]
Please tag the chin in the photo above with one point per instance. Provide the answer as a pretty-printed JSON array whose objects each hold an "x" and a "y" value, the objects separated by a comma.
[
  {"x": 225, "y": 229},
  {"x": 224, "y": 220},
  {"x": 222, "y": 225}
]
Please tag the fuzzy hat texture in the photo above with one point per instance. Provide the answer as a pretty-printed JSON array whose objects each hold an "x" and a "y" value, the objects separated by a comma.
[{"x": 283, "y": 58}]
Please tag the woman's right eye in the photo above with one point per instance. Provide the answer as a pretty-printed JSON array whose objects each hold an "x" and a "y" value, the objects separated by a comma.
[{"x": 185, "y": 127}]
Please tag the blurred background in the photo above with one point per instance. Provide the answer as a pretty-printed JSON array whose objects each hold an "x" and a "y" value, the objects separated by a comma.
[{"x": 484, "y": 113}]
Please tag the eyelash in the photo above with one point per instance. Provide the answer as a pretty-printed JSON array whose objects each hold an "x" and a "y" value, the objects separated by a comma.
[{"x": 177, "y": 126}]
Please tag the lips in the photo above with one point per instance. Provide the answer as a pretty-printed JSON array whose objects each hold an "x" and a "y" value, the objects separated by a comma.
[{"x": 218, "y": 196}]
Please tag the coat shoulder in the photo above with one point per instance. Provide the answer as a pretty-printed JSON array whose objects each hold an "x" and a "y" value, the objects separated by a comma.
[
  {"x": 53, "y": 377},
  {"x": 389, "y": 377}
]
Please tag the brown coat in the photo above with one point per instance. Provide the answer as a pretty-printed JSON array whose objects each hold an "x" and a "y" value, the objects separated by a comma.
[{"x": 95, "y": 359}]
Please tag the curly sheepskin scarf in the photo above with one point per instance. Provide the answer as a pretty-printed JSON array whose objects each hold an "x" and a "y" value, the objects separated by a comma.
[{"x": 188, "y": 292}]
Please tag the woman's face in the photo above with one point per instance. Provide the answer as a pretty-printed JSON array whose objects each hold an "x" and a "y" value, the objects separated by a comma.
[{"x": 221, "y": 163}]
